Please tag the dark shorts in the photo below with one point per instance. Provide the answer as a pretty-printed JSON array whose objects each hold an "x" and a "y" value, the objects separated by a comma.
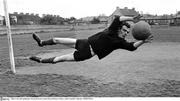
[{"x": 83, "y": 51}]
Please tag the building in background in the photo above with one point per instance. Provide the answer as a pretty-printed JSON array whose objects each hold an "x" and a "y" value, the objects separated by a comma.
[
  {"x": 123, "y": 12},
  {"x": 13, "y": 20},
  {"x": 1, "y": 20},
  {"x": 158, "y": 20},
  {"x": 176, "y": 20},
  {"x": 88, "y": 19},
  {"x": 21, "y": 18},
  {"x": 103, "y": 19}
]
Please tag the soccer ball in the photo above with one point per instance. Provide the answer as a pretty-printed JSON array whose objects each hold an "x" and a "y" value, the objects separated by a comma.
[{"x": 141, "y": 30}]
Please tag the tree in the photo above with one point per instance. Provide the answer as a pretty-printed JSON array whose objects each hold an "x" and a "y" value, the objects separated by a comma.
[
  {"x": 51, "y": 20},
  {"x": 72, "y": 18},
  {"x": 48, "y": 20}
]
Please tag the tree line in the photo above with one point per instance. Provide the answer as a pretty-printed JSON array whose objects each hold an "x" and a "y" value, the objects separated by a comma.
[{"x": 26, "y": 19}]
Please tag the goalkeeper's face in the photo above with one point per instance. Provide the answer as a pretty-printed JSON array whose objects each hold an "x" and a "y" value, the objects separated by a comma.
[{"x": 123, "y": 32}]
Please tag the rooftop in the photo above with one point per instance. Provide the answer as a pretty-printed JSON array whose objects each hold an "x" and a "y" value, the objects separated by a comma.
[{"x": 125, "y": 11}]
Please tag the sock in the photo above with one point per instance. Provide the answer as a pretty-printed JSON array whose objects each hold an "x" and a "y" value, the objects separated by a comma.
[
  {"x": 35, "y": 58},
  {"x": 48, "y": 60},
  {"x": 47, "y": 42},
  {"x": 40, "y": 42}
]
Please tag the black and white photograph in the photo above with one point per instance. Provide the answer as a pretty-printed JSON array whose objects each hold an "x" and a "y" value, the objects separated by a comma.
[{"x": 88, "y": 49}]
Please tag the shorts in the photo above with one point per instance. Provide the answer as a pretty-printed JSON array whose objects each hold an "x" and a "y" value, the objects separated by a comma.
[{"x": 83, "y": 51}]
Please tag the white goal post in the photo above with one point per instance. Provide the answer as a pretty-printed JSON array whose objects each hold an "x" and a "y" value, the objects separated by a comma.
[{"x": 11, "y": 53}]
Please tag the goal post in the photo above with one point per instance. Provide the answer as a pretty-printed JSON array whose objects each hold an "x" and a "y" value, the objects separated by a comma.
[{"x": 8, "y": 27}]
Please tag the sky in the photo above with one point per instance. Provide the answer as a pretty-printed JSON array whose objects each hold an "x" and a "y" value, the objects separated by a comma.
[{"x": 84, "y": 8}]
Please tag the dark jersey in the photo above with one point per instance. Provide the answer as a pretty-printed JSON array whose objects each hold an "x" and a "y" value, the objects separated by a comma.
[{"x": 103, "y": 43}]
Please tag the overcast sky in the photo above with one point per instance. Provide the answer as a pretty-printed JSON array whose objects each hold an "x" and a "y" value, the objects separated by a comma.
[{"x": 83, "y": 8}]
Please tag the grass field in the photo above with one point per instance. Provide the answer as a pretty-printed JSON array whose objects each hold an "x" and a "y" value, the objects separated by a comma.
[{"x": 151, "y": 71}]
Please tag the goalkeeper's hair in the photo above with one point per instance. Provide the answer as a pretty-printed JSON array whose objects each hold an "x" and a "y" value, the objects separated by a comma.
[{"x": 126, "y": 24}]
